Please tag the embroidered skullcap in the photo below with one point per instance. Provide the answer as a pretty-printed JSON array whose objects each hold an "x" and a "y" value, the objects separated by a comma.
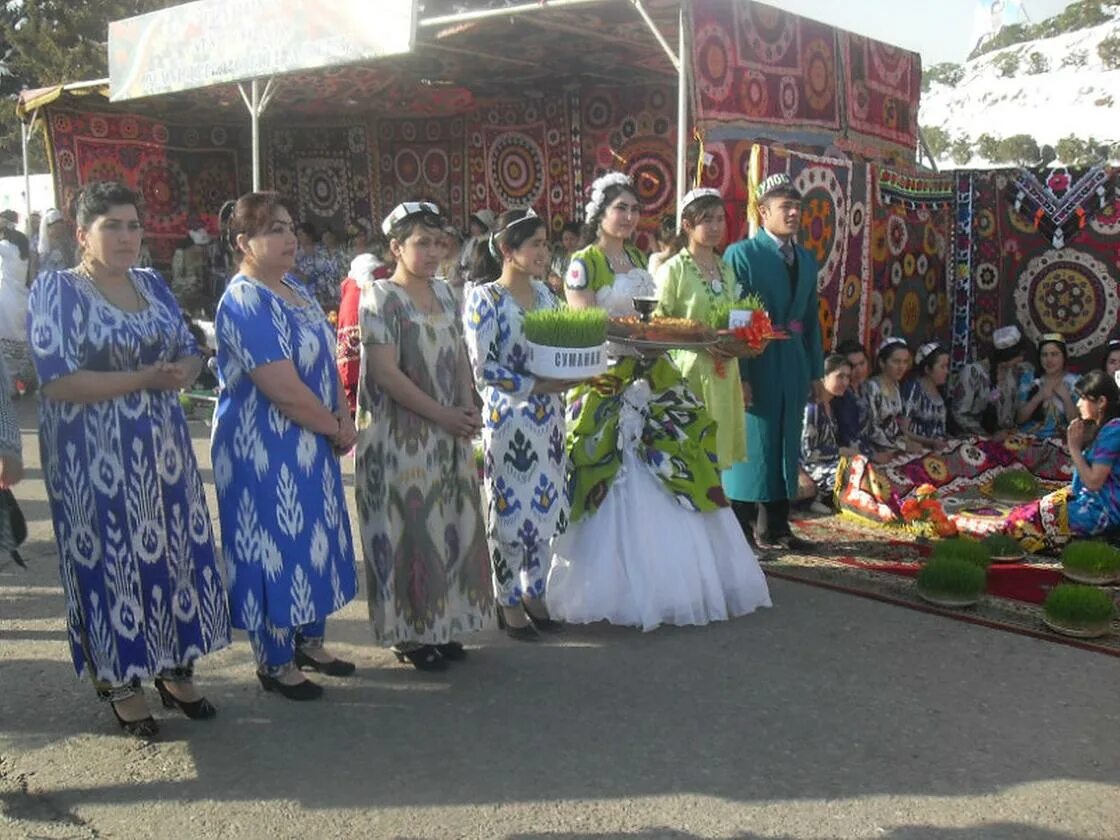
[
  {"x": 925, "y": 351},
  {"x": 1052, "y": 338},
  {"x": 890, "y": 341},
  {"x": 1113, "y": 344},
  {"x": 406, "y": 209},
  {"x": 530, "y": 214},
  {"x": 1006, "y": 337},
  {"x": 695, "y": 195},
  {"x": 777, "y": 184},
  {"x": 51, "y": 216}
]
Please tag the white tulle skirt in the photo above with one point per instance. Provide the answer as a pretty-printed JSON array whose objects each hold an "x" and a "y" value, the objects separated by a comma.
[{"x": 642, "y": 560}]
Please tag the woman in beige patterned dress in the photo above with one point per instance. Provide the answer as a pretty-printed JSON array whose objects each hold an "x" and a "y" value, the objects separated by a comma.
[{"x": 419, "y": 506}]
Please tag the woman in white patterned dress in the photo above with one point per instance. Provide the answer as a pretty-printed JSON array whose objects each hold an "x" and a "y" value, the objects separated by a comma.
[
  {"x": 279, "y": 429},
  {"x": 143, "y": 591},
  {"x": 523, "y": 421}
]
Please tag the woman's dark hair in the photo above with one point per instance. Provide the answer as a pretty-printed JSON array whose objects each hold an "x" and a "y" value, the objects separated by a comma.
[
  {"x": 309, "y": 229},
  {"x": 98, "y": 198},
  {"x": 667, "y": 232},
  {"x": 1110, "y": 348},
  {"x": 570, "y": 227},
  {"x": 849, "y": 346},
  {"x": 1061, "y": 345},
  {"x": 1096, "y": 384},
  {"x": 886, "y": 351},
  {"x": 484, "y": 265},
  {"x": 378, "y": 245},
  {"x": 405, "y": 227},
  {"x": 9, "y": 234},
  {"x": 930, "y": 360},
  {"x": 252, "y": 215},
  {"x": 834, "y": 361},
  {"x": 591, "y": 227},
  {"x": 696, "y": 212}
]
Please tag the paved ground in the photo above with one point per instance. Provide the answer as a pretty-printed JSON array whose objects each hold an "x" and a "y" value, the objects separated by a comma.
[{"x": 827, "y": 716}]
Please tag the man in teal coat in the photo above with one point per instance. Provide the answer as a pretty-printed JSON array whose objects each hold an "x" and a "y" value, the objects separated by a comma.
[{"x": 776, "y": 385}]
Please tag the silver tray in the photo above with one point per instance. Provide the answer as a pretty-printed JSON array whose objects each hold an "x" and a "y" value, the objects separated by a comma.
[{"x": 659, "y": 346}]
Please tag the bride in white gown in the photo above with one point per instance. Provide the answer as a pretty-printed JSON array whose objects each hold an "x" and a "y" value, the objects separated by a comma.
[{"x": 652, "y": 540}]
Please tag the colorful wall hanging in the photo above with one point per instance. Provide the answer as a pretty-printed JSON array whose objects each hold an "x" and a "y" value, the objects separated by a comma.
[
  {"x": 422, "y": 159},
  {"x": 325, "y": 170},
  {"x": 183, "y": 173}
]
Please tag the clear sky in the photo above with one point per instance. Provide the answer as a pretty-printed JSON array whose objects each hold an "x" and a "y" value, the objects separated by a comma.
[{"x": 941, "y": 30}]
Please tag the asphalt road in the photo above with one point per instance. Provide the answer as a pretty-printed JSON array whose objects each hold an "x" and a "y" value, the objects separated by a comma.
[{"x": 828, "y": 716}]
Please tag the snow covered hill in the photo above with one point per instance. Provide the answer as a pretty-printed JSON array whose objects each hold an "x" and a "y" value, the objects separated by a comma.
[{"x": 1048, "y": 88}]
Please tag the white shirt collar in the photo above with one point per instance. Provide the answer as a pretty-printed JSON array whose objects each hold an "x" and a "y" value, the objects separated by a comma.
[{"x": 777, "y": 239}]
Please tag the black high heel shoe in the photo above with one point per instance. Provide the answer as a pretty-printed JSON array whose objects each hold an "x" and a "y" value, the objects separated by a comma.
[
  {"x": 452, "y": 651},
  {"x": 543, "y": 625},
  {"x": 528, "y": 633},
  {"x": 305, "y": 690},
  {"x": 335, "y": 668},
  {"x": 199, "y": 709},
  {"x": 423, "y": 658},
  {"x": 143, "y": 728}
]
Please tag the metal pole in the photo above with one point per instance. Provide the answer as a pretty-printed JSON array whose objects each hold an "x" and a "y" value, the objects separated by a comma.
[
  {"x": 509, "y": 11},
  {"x": 682, "y": 112},
  {"x": 255, "y": 116},
  {"x": 675, "y": 60},
  {"x": 25, "y": 129}
]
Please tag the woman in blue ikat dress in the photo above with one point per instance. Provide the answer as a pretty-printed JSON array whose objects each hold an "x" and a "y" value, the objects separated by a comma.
[
  {"x": 144, "y": 596},
  {"x": 281, "y": 424},
  {"x": 523, "y": 420}
]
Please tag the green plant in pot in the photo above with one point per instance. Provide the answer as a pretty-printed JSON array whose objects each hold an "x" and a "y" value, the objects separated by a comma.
[
  {"x": 566, "y": 327},
  {"x": 1003, "y": 549},
  {"x": 1074, "y": 609},
  {"x": 1016, "y": 486},
  {"x": 961, "y": 548},
  {"x": 1091, "y": 561},
  {"x": 719, "y": 314},
  {"x": 952, "y": 582}
]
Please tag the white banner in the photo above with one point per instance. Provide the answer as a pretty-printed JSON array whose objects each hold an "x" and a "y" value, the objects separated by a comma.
[{"x": 211, "y": 42}]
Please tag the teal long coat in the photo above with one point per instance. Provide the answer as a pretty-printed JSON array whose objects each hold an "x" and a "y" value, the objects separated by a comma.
[{"x": 780, "y": 378}]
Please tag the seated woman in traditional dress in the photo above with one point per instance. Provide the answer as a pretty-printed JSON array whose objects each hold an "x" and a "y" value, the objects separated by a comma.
[
  {"x": 923, "y": 406},
  {"x": 886, "y": 418},
  {"x": 1090, "y": 506},
  {"x": 1111, "y": 363},
  {"x": 652, "y": 538},
  {"x": 1046, "y": 401},
  {"x": 852, "y": 409},
  {"x": 985, "y": 393},
  {"x": 688, "y": 284},
  {"x": 820, "y": 443}
]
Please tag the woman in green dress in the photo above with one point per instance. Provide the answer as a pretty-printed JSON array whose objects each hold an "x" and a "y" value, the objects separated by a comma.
[
  {"x": 688, "y": 285},
  {"x": 652, "y": 539}
]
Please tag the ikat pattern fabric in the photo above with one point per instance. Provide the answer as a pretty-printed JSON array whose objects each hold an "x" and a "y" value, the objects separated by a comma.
[{"x": 136, "y": 552}]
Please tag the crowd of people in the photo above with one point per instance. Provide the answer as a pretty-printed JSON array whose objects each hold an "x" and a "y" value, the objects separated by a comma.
[{"x": 639, "y": 498}]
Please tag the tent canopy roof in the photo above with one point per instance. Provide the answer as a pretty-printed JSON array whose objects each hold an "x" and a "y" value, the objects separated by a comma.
[{"x": 457, "y": 60}]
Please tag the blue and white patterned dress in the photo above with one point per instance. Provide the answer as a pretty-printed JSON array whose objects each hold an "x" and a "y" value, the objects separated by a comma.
[
  {"x": 143, "y": 590},
  {"x": 523, "y": 433},
  {"x": 820, "y": 448},
  {"x": 925, "y": 412},
  {"x": 321, "y": 273},
  {"x": 285, "y": 527}
]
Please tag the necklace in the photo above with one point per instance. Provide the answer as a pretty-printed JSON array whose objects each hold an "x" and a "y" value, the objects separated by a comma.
[
  {"x": 710, "y": 273},
  {"x": 615, "y": 261},
  {"x": 83, "y": 269}
]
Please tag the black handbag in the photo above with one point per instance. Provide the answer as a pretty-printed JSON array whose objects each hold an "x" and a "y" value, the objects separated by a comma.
[{"x": 13, "y": 527}]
